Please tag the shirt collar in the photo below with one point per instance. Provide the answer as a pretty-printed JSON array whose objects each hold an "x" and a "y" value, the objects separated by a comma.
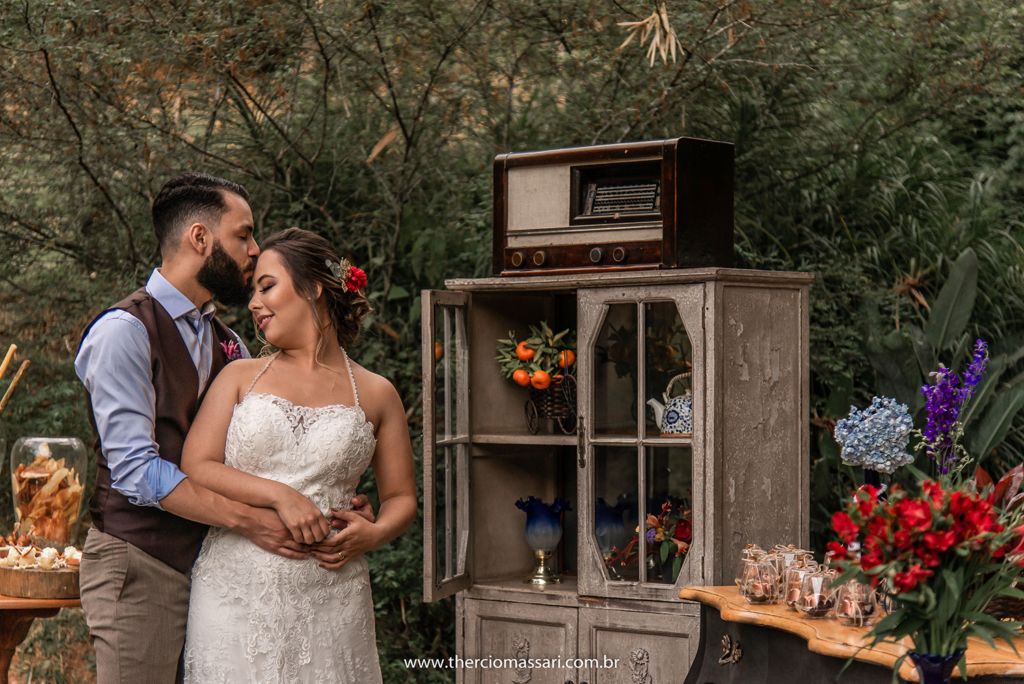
[{"x": 175, "y": 303}]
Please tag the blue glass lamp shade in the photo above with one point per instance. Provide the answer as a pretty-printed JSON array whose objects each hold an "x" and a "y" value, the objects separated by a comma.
[
  {"x": 543, "y": 525},
  {"x": 608, "y": 526}
]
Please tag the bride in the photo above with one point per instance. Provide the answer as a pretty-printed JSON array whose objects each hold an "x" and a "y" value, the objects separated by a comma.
[{"x": 294, "y": 432}]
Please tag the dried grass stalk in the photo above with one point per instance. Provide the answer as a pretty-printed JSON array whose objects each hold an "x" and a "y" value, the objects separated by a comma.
[{"x": 664, "y": 40}]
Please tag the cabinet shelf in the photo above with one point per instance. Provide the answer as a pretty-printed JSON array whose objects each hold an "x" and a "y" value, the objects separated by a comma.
[
  {"x": 525, "y": 439},
  {"x": 564, "y": 594}
]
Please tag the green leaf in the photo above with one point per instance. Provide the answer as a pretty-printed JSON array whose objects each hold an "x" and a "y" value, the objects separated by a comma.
[
  {"x": 397, "y": 292},
  {"x": 950, "y": 598},
  {"x": 1012, "y": 592},
  {"x": 415, "y": 311},
  {"x": 996, "y": 422},
  {"x": 896, "y": 367},
  {"x": 953, "y": 307},
  {"x": 664, "y": 554},
  {"x": 923, "y": 351},
  {"x": 841, "y": 397}
]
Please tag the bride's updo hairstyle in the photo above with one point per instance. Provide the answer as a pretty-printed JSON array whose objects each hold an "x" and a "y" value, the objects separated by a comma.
[{"x": 304, "y": 254}]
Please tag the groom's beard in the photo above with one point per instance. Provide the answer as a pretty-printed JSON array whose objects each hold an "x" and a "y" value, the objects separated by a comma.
[{"x": 222, "y": 276}]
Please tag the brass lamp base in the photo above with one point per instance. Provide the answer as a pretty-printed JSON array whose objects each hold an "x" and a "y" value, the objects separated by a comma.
[{"x": 541, "y": 575}]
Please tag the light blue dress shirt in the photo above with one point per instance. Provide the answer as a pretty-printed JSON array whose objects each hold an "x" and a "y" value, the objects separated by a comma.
[{"x": 114, "y": 365}]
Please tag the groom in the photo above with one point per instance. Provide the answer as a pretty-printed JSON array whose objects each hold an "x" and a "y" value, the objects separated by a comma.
[{"x": 146, "y": 364}]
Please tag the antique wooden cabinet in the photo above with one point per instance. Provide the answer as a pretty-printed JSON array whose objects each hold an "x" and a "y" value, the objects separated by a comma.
[{"x": 742, "y": 474}]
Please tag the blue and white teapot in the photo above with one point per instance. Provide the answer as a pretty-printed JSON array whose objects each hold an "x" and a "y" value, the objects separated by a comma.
[{"x": 675, "y": 416}]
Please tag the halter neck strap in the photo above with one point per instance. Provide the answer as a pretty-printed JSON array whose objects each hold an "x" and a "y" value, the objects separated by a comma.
[
  {"x": 351, "y": 377},
  {"x": 259, "y": 375}
]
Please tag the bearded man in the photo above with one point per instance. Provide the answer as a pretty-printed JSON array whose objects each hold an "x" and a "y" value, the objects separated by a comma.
[{"x": 146, "y": 363}]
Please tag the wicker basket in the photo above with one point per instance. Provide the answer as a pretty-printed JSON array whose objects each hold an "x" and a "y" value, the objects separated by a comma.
[
  {"x": 556, "y": 401},
  {"x": 1006, "y": 608},
  {"x": 550, "y": 401}
]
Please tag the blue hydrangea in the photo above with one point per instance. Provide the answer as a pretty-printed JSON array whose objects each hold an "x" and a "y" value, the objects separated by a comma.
[{"x": 877, "y": 437}]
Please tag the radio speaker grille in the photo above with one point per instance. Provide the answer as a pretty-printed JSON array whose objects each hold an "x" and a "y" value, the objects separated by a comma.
[{"x": 616, "y": 198}]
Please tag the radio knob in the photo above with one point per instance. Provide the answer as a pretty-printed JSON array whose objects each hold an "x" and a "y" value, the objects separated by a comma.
[
  {"x": 539, "y": 257},
  {"x": 596, "y": 254},
  {"x": 517, "y": 259},
  {"x": 619, "y": 254}
]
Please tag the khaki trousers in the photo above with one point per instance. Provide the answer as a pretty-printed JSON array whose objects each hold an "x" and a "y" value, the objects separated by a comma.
[{"x": 136, "y": 608}]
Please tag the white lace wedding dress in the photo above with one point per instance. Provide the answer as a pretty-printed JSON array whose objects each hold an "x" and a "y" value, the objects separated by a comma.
[{"x": 255, "y": 617}]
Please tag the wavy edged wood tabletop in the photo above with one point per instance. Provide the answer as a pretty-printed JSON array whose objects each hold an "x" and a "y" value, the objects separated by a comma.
[{"x": 831, "y": 638}]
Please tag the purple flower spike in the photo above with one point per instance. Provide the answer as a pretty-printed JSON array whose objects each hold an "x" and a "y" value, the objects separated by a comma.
[
  {"x": 977, "y": 366},
  {"x": 944, "y": 401}
]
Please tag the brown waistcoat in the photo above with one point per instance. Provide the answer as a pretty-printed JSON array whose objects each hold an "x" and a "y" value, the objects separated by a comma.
[{"x": 166, "y": 537}]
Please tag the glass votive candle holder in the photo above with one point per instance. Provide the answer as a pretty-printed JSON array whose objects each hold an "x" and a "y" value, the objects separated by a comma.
[
  {"x": 816, "y": 597},
  {"x": 857, "y": 605},
  {"x": 792, "y": 581},
  {"x": 750, "y": 552},
  {"x": 760, "y": 581}
]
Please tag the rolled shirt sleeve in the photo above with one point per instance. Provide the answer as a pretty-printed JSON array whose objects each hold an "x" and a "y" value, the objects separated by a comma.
[{"x": 114, "y": 365}]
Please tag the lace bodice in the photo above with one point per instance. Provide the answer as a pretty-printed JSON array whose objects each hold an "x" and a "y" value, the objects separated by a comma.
[
  {"x": 259, "y": 617},
  {"x": 320, "y": 452}
]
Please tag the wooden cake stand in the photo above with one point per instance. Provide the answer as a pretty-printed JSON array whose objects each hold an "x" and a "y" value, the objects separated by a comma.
[{"x": 16, "y": 616}]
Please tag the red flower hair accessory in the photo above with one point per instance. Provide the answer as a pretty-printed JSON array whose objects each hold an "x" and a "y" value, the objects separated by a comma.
[{"x": 353, "y": 276}]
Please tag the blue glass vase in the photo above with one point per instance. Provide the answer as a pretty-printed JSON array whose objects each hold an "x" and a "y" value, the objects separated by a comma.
[
  {"x": 609, "y": 531},
  {"x": 935, "y": 669},
  {"x": 543, "y": 532}
]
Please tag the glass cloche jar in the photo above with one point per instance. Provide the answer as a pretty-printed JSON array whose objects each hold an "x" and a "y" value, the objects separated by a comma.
[{"x": 47, "y": 475}]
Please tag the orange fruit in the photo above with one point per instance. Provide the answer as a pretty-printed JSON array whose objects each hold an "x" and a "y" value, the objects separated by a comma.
[
  {"x": 523, "y": 352},
  {"x": 521, "y": 377},
  {"x": 540, "y": 379},
  {"x": 566, "y": 358},
  {"x": 438, "y": 351}
]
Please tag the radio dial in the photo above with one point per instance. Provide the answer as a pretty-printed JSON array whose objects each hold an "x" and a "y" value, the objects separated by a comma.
[
  {"x": 539, "y": 257},
  {"x": 596, "y": 254},
  {"x": 517, "y": 259},
  {"x": 619, "y": 254}
]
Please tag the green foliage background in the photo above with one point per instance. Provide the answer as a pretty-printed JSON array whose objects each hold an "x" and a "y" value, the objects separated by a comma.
[{"x": 875, "y": 142}]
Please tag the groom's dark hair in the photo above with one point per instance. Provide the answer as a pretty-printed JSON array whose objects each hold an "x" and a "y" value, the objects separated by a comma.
[{"x": 188, "y": 197}]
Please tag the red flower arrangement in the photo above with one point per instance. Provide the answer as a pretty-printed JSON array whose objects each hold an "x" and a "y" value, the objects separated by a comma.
[
  {"x": 942, "y": 556},
  {"x": 668, "y": 534}
]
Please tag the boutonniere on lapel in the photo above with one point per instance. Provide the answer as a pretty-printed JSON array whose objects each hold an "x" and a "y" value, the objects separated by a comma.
[{"x": 231, "y": 350}]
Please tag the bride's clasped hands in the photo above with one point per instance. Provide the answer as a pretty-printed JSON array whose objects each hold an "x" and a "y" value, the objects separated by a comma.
[{"x": 350, "y": 535}]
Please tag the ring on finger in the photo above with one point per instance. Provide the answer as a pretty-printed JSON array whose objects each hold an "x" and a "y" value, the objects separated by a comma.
[{"x": 341, "y": 557}]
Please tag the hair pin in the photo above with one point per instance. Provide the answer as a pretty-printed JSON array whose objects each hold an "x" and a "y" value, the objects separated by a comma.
[{"x": 353, "y": 276}]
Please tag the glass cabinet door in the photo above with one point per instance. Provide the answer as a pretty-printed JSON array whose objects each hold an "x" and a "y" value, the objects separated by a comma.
[
  {"x": 641, "y": 402},
  {"x": 446, "y": 444}
]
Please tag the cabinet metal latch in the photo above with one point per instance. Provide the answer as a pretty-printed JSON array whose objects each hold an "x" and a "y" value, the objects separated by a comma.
[
  {"x": 581, "y": 442},
  {"x": 731, "y": 653}
]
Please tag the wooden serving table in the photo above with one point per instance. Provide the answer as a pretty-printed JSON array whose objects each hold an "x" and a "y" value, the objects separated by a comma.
[
  {"x": 16, "y": 616},
  {"x": 742, "y": 643}
]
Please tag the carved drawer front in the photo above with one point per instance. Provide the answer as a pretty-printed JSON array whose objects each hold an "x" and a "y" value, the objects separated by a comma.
[
  {"x": 516, "y": 634},
  {"x": 650, "y": 648}
]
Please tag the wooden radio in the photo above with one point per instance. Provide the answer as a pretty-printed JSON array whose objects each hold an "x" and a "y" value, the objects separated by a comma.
[{"x": 659, "y": 204}]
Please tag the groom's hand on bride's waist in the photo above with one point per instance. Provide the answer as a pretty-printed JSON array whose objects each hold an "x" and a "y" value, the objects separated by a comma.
[
  {"x": 264, "y": 528},
  {"x": 360, "y": 505}
]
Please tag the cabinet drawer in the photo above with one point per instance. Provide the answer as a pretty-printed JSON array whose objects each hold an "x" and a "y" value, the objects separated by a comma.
[
  {"x": 500, "y": 633},
  {"x": 622, "y": 647}
]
